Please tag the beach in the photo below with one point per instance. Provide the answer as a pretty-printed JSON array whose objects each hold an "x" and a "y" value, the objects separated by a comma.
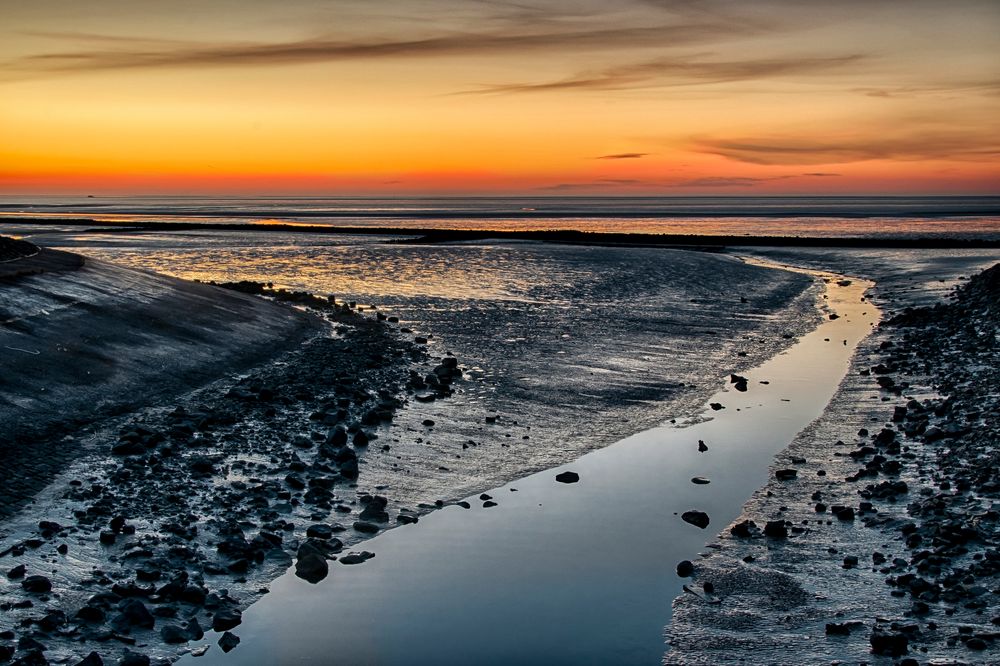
[
  {"x": 504, "y": 332},
  {"x": 875, "y": 537},
  {"x": 394, "y": 409}
]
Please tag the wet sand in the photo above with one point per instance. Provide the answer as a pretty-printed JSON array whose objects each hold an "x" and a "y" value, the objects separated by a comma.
[{"x": 890, "y": 552}]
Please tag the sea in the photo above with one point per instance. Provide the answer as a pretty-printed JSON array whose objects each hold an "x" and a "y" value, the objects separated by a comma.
[{"x": 870, "y": 216}]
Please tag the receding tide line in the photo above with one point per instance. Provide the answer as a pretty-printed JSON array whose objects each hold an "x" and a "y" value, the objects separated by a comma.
[{"x": 556, "y": 573}]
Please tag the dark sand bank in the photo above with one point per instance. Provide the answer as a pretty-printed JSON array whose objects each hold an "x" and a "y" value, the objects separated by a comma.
[
  {"x": 883, "y": 545},
  {"x": 82, "y": 340},
  {"x": 413, "y": 235}
]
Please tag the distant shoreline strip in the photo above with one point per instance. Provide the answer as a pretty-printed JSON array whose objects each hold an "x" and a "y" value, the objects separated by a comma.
[{"x": 709, "y": 243}]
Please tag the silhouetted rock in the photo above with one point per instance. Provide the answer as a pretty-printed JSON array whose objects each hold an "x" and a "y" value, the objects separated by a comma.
[
  {"x": 567, "y": 477},
  {"x": 696, "y": 518}
]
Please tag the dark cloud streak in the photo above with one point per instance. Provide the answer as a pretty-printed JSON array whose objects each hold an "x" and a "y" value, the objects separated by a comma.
[
  {"x": 678, "y": 71},
  {"x": 917, "y": 145},
  {"x": 131, "y": 53},
  {"x": 622, "y": 156}
]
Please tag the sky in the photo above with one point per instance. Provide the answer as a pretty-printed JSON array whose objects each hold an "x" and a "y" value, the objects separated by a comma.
[{"x": 470, "y": 97}]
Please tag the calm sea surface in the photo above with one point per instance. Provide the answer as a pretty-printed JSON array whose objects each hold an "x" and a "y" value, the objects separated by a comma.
[{"x": 971, "y": 217}]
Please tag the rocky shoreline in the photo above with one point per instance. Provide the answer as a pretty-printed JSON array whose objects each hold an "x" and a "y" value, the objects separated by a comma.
[
  {"x": 185, "y": 513},
  {"x": 876, "y": 540}
]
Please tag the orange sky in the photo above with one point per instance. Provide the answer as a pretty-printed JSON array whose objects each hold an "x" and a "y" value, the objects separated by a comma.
[{"x": 638, "y": 97}]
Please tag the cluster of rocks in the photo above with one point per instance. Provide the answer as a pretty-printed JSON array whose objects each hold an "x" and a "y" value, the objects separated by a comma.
[
  {"x": 925, "y": 518},
  {"x": 220, "y": 493}
]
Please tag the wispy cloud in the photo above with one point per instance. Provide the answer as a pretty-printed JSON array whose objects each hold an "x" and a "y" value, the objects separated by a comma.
[
  {"x": 744, "y": 181},
  {"x": 684, "y": 71},
  {"x": 726, "y": 181},
  {"x": 601, "y": 183},
  {"x": 806, "y": 149},
  {"x": 706, "y": 182},
  {"x": 119, "y": 53},
  {"x": 622, "y": 156},
  {"x": 986, "y": 87}
]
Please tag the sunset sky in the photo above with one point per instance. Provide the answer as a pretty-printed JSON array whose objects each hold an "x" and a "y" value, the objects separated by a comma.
[{"x": 491, "y": 97}]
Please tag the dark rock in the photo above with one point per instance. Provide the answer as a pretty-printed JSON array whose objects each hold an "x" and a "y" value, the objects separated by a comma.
[
  {"x": 194, "y": 630},
  {"x": 312, "y": 567},
  {"x": 786, "y": 474},
  {"x": 567, "y": 477},
  {"x": 835, "y": 629},
  {"x": 226, "y": 619},
  {"x": 90, "y": 614},
  {"x": 744, "y": 529},
  {"x": 171, "y": 633},
  {"x": 700, "y": 480},
  {"x": 37, "y": 584},
  {"x": 337, "y": 437},
  {"x": 889, "y": 644},
  {"x": 845, "y": 513},
  {"x": 16, "y": 572},
  {"x": 357, "y": 558},
  {"x": 136, "y": 614},
  {"x": 229, "y": 641},
  {"x": 697, "y": 518},
  {"x": 976, "y": 643},
  {"x": 201, "y": 464},
  {"x": 685, "y": 568},
  {"x": 319, "y": 531},
  {"x": 776, "y": 529}
]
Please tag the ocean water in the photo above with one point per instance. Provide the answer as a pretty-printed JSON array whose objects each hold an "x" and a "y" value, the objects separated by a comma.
[{"x": 970, "y": 217}]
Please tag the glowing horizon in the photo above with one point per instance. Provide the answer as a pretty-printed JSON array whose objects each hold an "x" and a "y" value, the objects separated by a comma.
[{"x": 651, "y": 97}]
